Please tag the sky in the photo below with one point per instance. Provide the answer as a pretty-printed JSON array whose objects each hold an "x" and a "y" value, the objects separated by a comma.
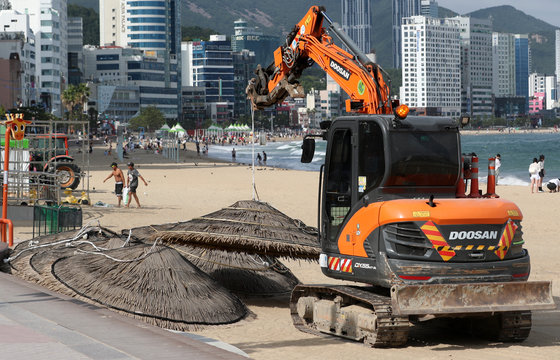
[{"x": 547, "y": 10}]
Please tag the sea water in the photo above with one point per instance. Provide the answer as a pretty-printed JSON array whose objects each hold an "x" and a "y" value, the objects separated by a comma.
[{"x": 517, "y": 151}]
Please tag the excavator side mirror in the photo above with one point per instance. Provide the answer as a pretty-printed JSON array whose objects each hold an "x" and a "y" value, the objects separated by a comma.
[{"x": 308, "y": 148}]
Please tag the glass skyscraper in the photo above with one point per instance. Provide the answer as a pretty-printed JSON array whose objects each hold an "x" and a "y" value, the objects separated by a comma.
[
  {"x": 402, "y": 9},
  {"x": 521, "y": 43},
  {"x": 356, "y": 22}
]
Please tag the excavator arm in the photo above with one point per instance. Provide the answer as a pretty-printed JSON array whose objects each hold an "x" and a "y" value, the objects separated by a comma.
[{"x": 309, "y": 43}]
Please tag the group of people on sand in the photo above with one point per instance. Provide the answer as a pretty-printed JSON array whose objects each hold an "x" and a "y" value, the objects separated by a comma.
[
  {"x": 131, "y": 182},
  {"x": 536, "y": 172}
]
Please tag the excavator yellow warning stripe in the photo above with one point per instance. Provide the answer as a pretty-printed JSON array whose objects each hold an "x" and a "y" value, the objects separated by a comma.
[
  {"x": 438, "y": 241},
  {"x": 470, "y": 247},
  {"x": 506, "y": 239}
]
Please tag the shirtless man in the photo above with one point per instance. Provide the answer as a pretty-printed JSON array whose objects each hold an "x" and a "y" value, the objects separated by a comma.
[{"x": 119, "y": 181}]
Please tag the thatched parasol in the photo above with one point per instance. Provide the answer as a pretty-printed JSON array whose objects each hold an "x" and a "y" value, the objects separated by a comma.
[
  {"x": 241, "y": 273},
  {"x": 247, "y": 226},
  {"x": 61, "y": 244},
  {"x": 154, "y": 283}
]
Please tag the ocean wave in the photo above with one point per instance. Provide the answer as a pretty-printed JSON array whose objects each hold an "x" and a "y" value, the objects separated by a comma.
[
  {"x": 506, "y": 180},
  {"x": 285, "y": 147}
]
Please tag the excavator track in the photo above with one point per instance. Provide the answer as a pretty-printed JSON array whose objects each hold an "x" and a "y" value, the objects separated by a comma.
[
  {"x": 386, "y": 330},
  {"x": 515, "y": 326},
  {"x": 510, "y": 326}
]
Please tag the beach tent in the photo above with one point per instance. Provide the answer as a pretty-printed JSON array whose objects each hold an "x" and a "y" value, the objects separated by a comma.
[
  {"x": 179, "y": 128},
  {"x": 214, "y": 128},
  {"x": 165, "y": 127}
]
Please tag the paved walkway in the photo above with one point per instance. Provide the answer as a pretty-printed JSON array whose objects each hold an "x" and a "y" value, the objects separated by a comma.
[{"x": 38, "y": 324}]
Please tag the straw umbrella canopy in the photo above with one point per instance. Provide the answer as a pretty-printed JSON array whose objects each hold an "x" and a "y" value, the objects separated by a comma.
[
  {"x": 28, "y": 258},
  {"x": 249, "y": 226},
  {"x": 151, "y": 282}
]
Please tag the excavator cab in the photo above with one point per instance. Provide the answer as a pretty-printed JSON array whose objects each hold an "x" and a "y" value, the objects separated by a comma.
[{"x": 373, "y": 158}]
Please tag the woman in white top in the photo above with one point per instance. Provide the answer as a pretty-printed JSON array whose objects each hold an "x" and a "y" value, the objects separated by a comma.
[
  {"x": 541, "y": 172},
  {"x": 534, "y": 169}
]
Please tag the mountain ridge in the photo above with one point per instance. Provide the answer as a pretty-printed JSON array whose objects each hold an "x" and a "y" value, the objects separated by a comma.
[{"x": 272, "y": 18}]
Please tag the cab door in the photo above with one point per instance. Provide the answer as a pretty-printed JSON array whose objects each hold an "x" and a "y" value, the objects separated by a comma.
[{"x": 339, "y": 182}]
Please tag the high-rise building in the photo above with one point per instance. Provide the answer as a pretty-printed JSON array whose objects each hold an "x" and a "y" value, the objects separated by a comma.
[
  {"x": 194, "y": 107},
  {"x": 133, "y": 68},
  {"x": 429, "y": 8},
  {"x": 251, "y": 39},
  {"x": 331, "y": 100},
  {"x": 210, "y": 65},
  {"x": 476, "y": 66},
  {"x": 401, "y": 9},
  {"x": 558, "y": 62},
  {"x": 151, "y": 26},
  {"x": 503, "y": 65},
  {"x": 75, "y": 50},
  {"x": 521, "y": 43},
  {"x": 112, "y": 22},
  {"x": 18, "y": 37},
  {"x": 356, "y": 22},
  {"x": 243, "y": 70},
  {"x": 543, "y": 86},
  {"x": 48, "y": 19},
  {"x": 431, "y": 72}
]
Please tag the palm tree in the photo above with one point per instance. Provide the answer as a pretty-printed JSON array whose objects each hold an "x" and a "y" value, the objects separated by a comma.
[
  {"x": 74, "y": 97},
  {"x": 68, "y": 98},
  {"x": 82, "y": 95}
]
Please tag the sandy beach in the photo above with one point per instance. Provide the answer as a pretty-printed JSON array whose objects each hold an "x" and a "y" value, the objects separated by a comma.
[{"x": 197, "y": 186}]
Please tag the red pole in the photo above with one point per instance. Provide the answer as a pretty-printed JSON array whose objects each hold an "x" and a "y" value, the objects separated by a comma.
[
  {"x": 460, "y": 192},
  {"x": 5, "y": 181},
  {"x": 474, "y": 178},
  {"x": 491, "y": 185}
]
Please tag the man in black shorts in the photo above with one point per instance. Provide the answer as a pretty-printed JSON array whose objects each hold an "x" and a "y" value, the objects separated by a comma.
[
  {"x": 119, "y": 181},
  {"x": 132, "y": 183}
]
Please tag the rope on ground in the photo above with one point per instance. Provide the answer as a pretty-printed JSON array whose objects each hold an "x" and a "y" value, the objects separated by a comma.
[
  {"x": 141, "y": 257},
  {"x": 33, "y": 243}
]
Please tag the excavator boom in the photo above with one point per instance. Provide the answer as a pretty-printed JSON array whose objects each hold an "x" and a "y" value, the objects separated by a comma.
[{"x": 310, "y": 43}]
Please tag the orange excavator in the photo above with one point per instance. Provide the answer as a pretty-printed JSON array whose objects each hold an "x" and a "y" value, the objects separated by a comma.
[{"x": 393, "y": 213}]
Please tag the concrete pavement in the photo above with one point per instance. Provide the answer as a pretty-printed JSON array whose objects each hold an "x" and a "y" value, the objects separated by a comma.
[{"x": 36, "y": 323}]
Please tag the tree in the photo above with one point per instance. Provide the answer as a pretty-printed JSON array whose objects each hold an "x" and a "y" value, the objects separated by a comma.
[
  {"x": 150, "y": 118},
  {"x": 90, "y": 20},
  {"x": 191, "y": 33},
  {"x": 5, "y": 5},
  {"x": 74, "y": 98}
]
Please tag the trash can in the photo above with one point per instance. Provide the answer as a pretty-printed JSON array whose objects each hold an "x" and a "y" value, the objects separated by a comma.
[{"x": 52, "y": 219}]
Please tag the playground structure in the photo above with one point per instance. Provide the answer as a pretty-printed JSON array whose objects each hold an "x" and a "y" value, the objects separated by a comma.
[
  {"x": 30, "y": 180},
  {"x": 27, "y": 181}
]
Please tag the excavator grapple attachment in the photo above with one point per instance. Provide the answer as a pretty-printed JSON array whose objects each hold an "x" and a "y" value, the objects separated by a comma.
[{"x": 468, "y": 298}]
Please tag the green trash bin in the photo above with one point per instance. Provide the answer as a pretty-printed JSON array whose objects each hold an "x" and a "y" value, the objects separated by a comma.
[{"x": 52, "y": 219}]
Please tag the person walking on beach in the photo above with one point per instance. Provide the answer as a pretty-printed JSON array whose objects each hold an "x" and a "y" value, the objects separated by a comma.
[
  {"x": 497, "y": 165},
  {"x": 132, "y": 183},
  {"x": 264, "y": 157},
  {"x": 259, "y": 158},
  {"x": 534, "y": 173},
  {"x": 233, "y": 154},
  {"x": 119, "y": 181},
  {"x": 541, "y": 172}
]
